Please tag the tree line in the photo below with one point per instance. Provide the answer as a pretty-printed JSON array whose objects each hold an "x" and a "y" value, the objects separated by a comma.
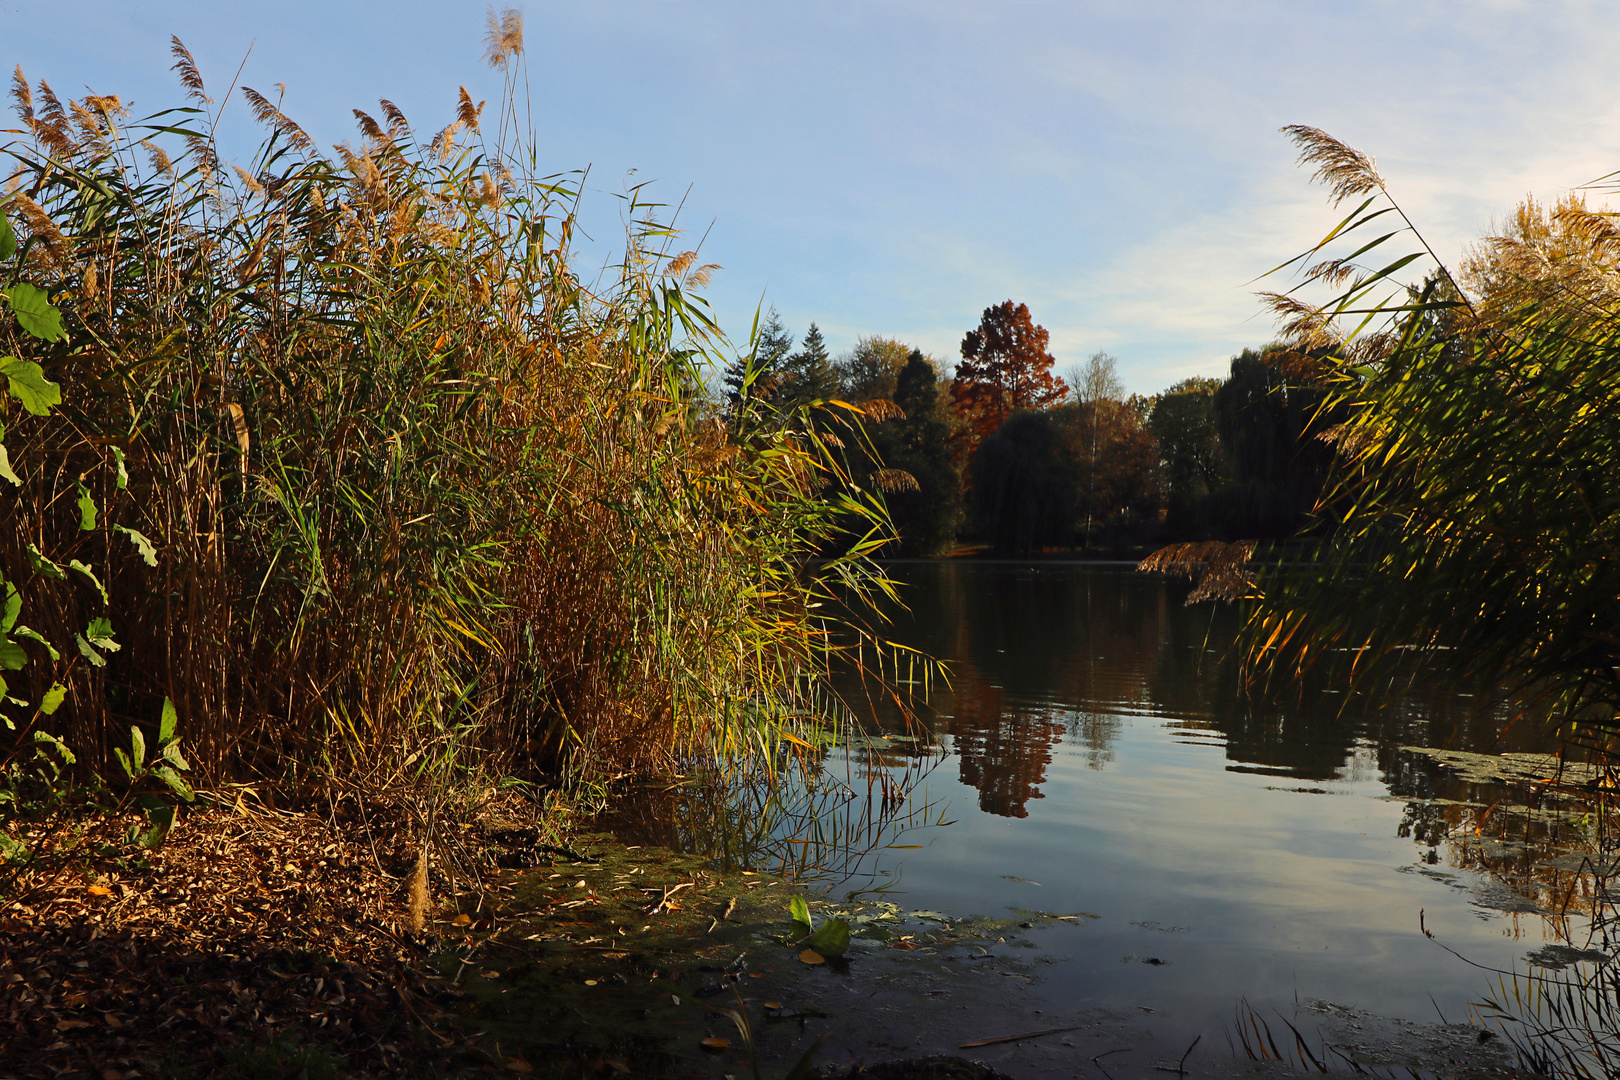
[{"x": 999, "y": 452}]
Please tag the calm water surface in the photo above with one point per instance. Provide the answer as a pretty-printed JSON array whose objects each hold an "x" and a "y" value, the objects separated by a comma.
[{"x": 1096, "y": 748}]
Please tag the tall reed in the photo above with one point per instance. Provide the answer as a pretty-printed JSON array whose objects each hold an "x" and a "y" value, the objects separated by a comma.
[{"x": 422, "y": 495}]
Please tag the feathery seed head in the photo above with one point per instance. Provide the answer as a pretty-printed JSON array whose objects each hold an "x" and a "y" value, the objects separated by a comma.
[
  {"x": 1347, "y": 171},
  {"x": 503, "y": 36}
]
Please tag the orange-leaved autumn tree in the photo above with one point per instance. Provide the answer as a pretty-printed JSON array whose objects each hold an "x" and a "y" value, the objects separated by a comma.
[{"x": 1005, "y": 367}]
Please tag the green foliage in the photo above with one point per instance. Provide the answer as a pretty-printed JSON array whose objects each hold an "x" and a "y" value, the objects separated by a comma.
[
  {"x": 1191, "y": 457},
  {"x": 32, "y": 786},
  {"x": 164, "y": 767},
  {"x": 28, "y": 384},
  {"x": 37, "y": 318},
  {"x": 872, "y": 369},
  {"x": 928, "y": 517},
  {"x": 1026, "y": 484},
  {"x": 34, "y": 311},
  {"x": 1269, "y": 419}
]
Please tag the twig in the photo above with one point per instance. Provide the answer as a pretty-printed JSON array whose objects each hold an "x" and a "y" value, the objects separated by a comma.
[
  {"x": 1015, "y": 1038},
  {"x": 669, "y": 892},
  {"x": 1096, "y": 1060}
]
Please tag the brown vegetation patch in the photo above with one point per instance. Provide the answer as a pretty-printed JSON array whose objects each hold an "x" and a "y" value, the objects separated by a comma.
[{"x": 249, "y": 945}]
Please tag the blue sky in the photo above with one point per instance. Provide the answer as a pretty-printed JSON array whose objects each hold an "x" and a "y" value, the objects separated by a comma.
[{"x": 895, "y": 167}]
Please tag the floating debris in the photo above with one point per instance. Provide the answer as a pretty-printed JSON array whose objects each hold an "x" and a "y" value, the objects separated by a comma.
[{"x": 1541, "y": 769}]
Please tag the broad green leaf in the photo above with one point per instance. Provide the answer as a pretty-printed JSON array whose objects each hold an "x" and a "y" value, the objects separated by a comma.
[
  {"x": 34, "y": 312},
  {"x": 35, "y": 635},
  {"x": 171, "y": 754},
  {"x": 91, "y": 574},
  {"x": 123, "y": 473},
  {"x": 30, "y": 386},
  {"x": 61, "y": 747},
  {"x": 42, "y": 565},
  {"x": 161, "y": 815},
  {"x": 100, "y": 633},
  {"x": 801, "y": 911},
  {"x": 12, "y": 657},
  {"x": 142, "y": 544},
  {"x": 12, "y": 608},
  {"x": 87, "y": 510},
  {"x": 123, "y": 762},
  {"x": 167, "y": 725},
  {"x": 53, "y": 699},
  {"x": 8, "y": 239},
  {"x": 832, "y": 938},
  {"x": 137, "y": 744},
  {"x": 5, "y": 467},
  {"x": 88, "y": 652},
  {"x": 176, "y": 782}
]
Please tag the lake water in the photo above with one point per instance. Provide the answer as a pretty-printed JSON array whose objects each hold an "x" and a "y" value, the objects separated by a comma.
[
  {"x": 1095, "y": 757},
  {"x": 1100, "y": 758}
]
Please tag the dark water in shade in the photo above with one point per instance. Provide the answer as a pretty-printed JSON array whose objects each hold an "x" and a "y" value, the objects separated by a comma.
[{"x": 1097, "y": 748}]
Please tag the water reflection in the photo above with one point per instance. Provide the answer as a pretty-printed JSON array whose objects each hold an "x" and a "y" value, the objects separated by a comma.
[{"x": 1050, "y": 654}]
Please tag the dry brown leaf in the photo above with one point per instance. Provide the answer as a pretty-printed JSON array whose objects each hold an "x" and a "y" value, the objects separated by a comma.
[
  {"x": 810, "y": 956},
  {"x": 714, "y": 1043}
]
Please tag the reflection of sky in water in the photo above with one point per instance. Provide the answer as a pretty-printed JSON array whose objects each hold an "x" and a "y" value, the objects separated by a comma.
[{"x": 1108, "y": 756}]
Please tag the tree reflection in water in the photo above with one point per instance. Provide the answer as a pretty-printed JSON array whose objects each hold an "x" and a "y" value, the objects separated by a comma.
[{"x": 1043, "y": 654}]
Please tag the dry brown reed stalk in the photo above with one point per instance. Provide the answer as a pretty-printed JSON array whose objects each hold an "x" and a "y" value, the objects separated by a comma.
[{"x": 426, "y": 507}]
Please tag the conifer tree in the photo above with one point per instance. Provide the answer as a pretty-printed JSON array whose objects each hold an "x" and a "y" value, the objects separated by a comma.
[
  {"x": 766, "y": 361},
  {"x": 809, "y": 374}
]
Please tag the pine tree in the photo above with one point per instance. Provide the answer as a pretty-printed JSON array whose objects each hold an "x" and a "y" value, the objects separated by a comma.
[
  {"x": 808, "y": 375},
  {"x": 928, "y": 517},
  {"x": 766, "y": 361}
]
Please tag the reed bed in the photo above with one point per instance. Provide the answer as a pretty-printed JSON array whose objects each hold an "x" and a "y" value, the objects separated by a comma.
[{"x": 387, "y": 493}]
